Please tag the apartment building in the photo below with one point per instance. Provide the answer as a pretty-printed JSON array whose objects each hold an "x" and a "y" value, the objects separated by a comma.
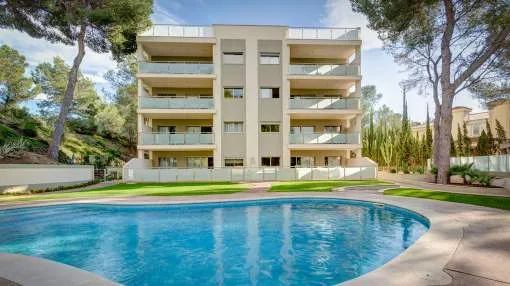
[
  {"x": 249, "y": 96},
  {"x": 476, "y": 122}
]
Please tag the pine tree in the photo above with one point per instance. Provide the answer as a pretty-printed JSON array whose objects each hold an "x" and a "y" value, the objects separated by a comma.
[
  {"x": 490, "y": 139},
  {"x": 466, "y": 141},
  {"x": 460, "y": 143}
]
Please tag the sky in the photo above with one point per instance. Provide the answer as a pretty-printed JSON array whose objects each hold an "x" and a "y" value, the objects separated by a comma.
[{"x": 378, "y": 67}]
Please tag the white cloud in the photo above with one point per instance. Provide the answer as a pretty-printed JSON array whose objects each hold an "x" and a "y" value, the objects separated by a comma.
[
  {"x": 162, "y": 15},
  {"x": 37, "y": 51},
  {"x": 338, "y": 13}
]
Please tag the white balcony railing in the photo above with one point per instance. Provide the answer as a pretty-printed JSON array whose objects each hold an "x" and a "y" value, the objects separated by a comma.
[
  {"x": 183, "y": 138},
  {"x": 165, "y": 102},
  {"x": 179, "y": 31},
  {"x": 340, "y": 34},
  {"x": 324, "y": 69},
  {"x": 324, "y": 103},
  {"x": 324, "y": 138},
  {"x": 176, "y": 68}
]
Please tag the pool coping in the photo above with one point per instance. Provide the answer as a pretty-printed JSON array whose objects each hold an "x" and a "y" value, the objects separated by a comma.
[{"x": 423, "y": 263}]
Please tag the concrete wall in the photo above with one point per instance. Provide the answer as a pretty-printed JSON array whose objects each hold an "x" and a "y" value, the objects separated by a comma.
[{"x": 32, "y": 176}]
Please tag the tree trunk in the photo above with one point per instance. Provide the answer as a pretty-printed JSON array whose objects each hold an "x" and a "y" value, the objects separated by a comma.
[
  {"x": 445, "y": 131},
  {"x": 68, "y": 96}
]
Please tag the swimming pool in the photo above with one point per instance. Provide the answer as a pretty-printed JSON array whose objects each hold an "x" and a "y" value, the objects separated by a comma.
[{"x": 265, "y": 242}]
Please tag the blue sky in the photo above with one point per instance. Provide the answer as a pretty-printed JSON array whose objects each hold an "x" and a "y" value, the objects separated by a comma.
[{"x": 378, "y": 68}]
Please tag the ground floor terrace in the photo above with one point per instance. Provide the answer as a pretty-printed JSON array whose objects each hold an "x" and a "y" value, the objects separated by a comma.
[{"x": 465, "y": 245}]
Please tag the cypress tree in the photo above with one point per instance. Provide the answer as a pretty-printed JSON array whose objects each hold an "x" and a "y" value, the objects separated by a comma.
[
  {"x": 483, "y": 147},
  {"x": 428, "y": 136},
  {"x": 500, "y": 133},
  {"x": 460, "y": 145},
  {"x": 453, "y": 152},
  {"x": 490, "y": 139},
  {"x": 466, "y": 141}
]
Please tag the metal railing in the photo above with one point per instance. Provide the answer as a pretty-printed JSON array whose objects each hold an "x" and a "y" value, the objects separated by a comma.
[
  {"x": 177, "y": 138},
  {"x": 340, "y": 34},
  {"x": 176, "y": 67},
  {"x": 324, "y": 138},
  {"x": 166, "y": 102},
  {"x": 169, "y": 30},
  {"x": 249, "y": 174},
  {"x": 324, "y": 69},
  {"x": 324, "y": 103}
]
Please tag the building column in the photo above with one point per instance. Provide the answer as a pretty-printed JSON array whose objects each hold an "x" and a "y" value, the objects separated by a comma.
[
  {"x": 217, "y": 94},
  {"x": 285, "y": 58},
  {"x": 251, "y": 123}
]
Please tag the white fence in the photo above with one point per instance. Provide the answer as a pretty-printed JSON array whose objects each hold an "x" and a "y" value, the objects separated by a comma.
[
  {"x": 494, "y": 163},
  {"x": 33, "y": 176},
  {"x": 249, "y": 174}
]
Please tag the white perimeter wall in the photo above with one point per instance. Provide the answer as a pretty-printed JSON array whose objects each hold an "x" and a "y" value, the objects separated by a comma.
[{"x": 39, "y": 176}]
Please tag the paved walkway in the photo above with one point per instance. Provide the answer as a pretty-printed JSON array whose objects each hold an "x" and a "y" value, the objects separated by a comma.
[
  {"x": 470, "y": 244},
  {"x": 423, "y": 182}
]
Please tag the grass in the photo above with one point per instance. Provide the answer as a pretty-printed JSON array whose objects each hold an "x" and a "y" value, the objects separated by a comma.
[
  {"x": 141, "y": 189},
  {"x": 479, "y": 200},
  {"x": 319, "y": 186}
]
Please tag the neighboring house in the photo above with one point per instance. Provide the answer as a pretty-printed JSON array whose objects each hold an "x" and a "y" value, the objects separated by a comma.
[
  {"x": 249, "y": 96},
  {"x": 475, "y": 122}
]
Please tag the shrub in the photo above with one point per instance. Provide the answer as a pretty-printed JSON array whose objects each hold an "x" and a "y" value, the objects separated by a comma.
[
  {"x": 30, "y": 128},
  {"x": 12, "y": 149},
  {"x": 393, "y": 171},
  {"x": 461, "y": 170},
  {"x": 485, "y": 179},
  {"x": 433, "y": 170},
  {"x": 406, "y": 171},
  {"x": 420, "y": 170}
]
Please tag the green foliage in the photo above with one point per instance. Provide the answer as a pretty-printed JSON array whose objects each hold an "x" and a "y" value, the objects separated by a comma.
[
  {"x": 491, "y": 141},
  {"x": 30, "y": 128},
  {"x": 466, "y": 141},
  {"x": 428, "y": 137},
  {"x": 485, "y": 179},
  {"x": 464, "y": 170},
  {"x": 109, "y": 121},
  {"x": 12, "y": 148},
  {"x": 453, "y": 150},
  {"x": 14, "y": 86},
  {"x": 500, "y": 133},
  {"x": 369, "y": 99},
  {"x": 393, "y": 170},
  {"x": 483, "y": 147},
  {"x": 460, "y": 142},
  {"x": 52, "y": 80}
]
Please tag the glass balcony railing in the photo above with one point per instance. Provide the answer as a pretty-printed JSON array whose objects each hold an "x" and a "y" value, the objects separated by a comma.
[
  {"x": 179, "y": 31},
  {"x": 163, "y": 102},
  {"x": 324, "y": 69},
  {"x": 161, "y": 138},
  {"x": 176, "y": 68},
  {"x": 324, "y": 103},
  {"x": 324, "y": 138},
  {"x": 339, "y": 34}
]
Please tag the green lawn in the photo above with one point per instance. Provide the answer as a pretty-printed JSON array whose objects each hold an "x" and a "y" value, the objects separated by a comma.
[
  {"x": 486, "y": 201},
  {"x": 141, "y": 189},
  {"x": 319, "y": 186}
]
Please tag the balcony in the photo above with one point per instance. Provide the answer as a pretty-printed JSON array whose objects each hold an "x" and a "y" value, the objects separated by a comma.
[
  {"x": 164, "y": 102},
  {"x": 179, "y": 31},
  {"x": 175, "y": 68},
  {"x": 159, "y": 138},
  {"x": 324, "y": 70},
  {"x": 323, "y": 140},
  {"x": 321, "y": 103},
  {"x": 338, "y": 34}
]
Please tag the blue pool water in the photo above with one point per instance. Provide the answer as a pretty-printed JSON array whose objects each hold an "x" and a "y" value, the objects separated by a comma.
[{"x": 277, "y": 242}]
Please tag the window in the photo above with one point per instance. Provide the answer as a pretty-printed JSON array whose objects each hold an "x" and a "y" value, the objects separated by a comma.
[
  {"x": 167, "y": 94},
  {"x": 332, "y": 129},
  {"x": 269, "y": 128},
  {"x": 302, "y": 161},
  {"x": 166, "y": 129},
  {"x": 199, "y": 162},
  {"x": 302, "y": 129},
  {"x": 269, "y": 92},
  {"x": 233, "y": 92},
  {"x": 167, "y": 162},
  {"x": 233, "y": 127},
  {"x": 476, "y": 130},
  {"x": 334, "y": 161},
  {"x": 146, "y": 155},
  {"x": 233, "y": 58},
  {"x": 269, "y": 58},
  {"x": 199, "y": 129},
  {"x": 234, "y": 162},
  {"x": 270, "y": 161}
]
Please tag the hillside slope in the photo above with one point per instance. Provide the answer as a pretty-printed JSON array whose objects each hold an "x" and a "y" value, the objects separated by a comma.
[{"x": 76, "y": 148}]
